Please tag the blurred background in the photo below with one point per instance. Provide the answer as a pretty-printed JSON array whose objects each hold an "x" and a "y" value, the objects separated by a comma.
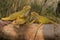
[{"x": 48, "y": 8}]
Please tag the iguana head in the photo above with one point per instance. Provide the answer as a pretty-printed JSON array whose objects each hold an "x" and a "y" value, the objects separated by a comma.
[
  {"x": 27, "y": 7},
  {"x": 34, "y": 13}
]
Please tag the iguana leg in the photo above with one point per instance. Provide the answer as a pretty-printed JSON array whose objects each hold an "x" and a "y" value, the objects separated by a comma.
[
  {"x": 19, "y": 21},
  {"x": 32, "y": 21},
  {"x": 37, "y": 30},
  {"x": 14, "y": 22}
]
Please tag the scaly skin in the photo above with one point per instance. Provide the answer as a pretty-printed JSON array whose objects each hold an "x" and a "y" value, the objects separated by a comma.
[
  {"x": 19, "y": 21},
  {"x": 42, "y": 20},
  {"x": 21, "y": 13}
]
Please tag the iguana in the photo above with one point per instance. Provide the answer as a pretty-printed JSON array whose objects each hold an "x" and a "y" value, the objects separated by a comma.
[
  {"x": 20, "y": 14},
  {"x": 42, "y": 20},
  {"x": 19, "y": 21}
]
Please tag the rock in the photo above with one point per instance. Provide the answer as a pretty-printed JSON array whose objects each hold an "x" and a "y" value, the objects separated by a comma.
[
  {"x": 9, "y": 32},
  {"x": 57, "y": 32},
  {"x": 28, "y": 32},
  {"x": 12, "y": 32},
  {"x": 3, "y": 23},
  {"x": 45, "y": 32}
]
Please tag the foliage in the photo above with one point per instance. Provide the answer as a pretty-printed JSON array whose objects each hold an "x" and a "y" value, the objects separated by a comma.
[{"x": 8, "y": 7}]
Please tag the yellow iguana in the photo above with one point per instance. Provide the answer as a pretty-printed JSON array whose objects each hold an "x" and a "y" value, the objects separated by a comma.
[
  {"x": 41, "y": 20},
  {"x": 19, "y": 21},
  {"x": 20, "y": 14}
]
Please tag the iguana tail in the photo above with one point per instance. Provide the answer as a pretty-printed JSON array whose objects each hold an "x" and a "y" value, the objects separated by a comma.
[
  {"x": 5, "y": 18},
  {"x": 53, "y": 22}
]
